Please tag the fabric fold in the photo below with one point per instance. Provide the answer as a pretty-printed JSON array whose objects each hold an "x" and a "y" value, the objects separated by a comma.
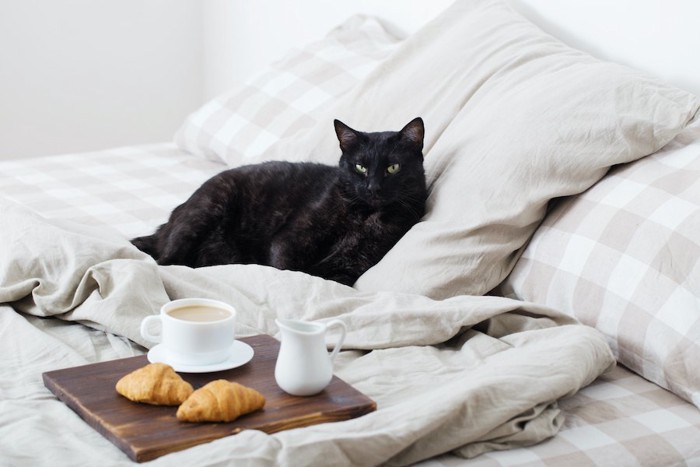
[{"x": 465, "y": 374}]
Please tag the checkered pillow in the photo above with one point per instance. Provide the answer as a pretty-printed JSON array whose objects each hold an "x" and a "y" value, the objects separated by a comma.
[
  {"x": 243, "y": 123},
  {"x": 625, "y": 257}
]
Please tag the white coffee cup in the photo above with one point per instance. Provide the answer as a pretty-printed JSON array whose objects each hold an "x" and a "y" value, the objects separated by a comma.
[{"x": 193, "y": 331}]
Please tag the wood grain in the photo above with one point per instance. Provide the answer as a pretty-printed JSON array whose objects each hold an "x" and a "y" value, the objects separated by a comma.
[{"x": 145, "y": 432}]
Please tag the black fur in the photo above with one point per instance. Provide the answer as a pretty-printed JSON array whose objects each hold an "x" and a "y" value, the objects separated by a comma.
[{"x": 330, "y": 221}]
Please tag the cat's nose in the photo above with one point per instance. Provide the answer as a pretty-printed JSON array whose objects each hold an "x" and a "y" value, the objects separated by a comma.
[{"x": 374, "y": 188}]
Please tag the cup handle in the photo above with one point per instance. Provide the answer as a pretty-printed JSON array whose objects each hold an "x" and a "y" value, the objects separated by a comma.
[
  {"x": 145, "y": 333},
  {"x": 341, "y": 339}
]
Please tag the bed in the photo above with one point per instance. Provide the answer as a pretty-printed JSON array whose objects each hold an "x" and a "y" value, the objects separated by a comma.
[{"x": 544, "y": 312}]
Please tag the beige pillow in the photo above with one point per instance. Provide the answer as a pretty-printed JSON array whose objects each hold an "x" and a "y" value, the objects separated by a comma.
[
  {"x": 514, "y": 118},
  {"x": 624, "y": 257},
  {"x": 243, "y": 122}
]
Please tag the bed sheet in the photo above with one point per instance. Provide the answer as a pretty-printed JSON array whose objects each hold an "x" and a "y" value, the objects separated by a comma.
[
  {"x": 128, "y": 189},
  {"x": 620, "y": 419}
]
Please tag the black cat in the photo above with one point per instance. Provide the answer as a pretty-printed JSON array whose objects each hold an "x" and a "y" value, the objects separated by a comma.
[{"x": 330, "y": 221}]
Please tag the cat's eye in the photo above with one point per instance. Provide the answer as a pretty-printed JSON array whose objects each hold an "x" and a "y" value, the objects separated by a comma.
[
  {"x": 393, "y": 168},
  {"x": 361, "y": 169}
]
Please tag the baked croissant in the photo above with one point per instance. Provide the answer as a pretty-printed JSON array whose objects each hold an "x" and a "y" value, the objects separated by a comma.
[
  {"x": 220, "y": 401},
  {"x": 155, "y": 383}
]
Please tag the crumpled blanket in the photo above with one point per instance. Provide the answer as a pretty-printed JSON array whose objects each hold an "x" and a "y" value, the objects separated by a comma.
[{"x": 463, "y": 375}]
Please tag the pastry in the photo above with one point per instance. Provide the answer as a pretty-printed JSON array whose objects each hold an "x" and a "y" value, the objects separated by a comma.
[
  {"x": 155, "y": 383},
  {"x": 220, "y": 401}
]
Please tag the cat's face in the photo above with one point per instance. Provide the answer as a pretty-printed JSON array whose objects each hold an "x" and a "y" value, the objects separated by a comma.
[{"x": 384, "y": 167}]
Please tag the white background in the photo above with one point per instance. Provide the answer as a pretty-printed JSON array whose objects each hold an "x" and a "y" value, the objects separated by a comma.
[
  {"x": 86, "y": 74},
  {"x": 79, "y": 75}
]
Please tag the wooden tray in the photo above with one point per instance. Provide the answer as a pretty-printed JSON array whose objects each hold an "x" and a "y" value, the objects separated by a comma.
[{"x": 145, "y": 432}]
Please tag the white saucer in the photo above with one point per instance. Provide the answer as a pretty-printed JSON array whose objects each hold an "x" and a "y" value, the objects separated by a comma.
[{"x": 241, "y": 353}]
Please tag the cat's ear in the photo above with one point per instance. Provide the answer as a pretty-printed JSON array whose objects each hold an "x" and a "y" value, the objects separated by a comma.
[
  {"x": 346, "y": 135},
  {"x": 414, "y": 132}
]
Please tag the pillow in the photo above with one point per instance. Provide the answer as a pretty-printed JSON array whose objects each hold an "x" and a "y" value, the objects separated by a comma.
[
  {"x": 280, "y": 101},
  {"x": 624, "y": 257},
  {"x": 514, "y": 118}
]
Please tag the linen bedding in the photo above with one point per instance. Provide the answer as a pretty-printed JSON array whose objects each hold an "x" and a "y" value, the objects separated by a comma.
[
  {"x": 515, "y": 120},
  {"x": 499, "y": 386},
  {"x": 620, "y": 419}
]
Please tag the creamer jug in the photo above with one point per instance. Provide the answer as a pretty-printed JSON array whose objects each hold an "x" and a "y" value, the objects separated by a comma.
[{"x": 304, "y": 367}]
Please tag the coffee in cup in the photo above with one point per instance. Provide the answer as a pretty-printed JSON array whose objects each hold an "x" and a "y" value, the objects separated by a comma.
[{"x": 193, "y": 331}]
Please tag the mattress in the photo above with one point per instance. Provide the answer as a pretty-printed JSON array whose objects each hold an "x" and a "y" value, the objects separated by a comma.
[{"x": 621, "y": 419}]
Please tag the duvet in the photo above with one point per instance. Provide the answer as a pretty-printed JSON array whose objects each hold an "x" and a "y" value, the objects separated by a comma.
[{"x": 465, "y": 375}]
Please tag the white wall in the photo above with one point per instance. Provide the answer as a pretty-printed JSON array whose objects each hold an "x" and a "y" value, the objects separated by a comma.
[{"x": 79, "y": 75}]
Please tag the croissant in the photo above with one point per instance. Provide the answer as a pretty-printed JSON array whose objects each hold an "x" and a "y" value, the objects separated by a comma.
[
  {"x": 155, "y": 383},
  {"x": 220, "y": 401}
]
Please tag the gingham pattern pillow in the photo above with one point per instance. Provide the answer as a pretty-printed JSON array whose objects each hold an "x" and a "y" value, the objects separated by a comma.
[
  {"x": 242, "y": 123},
  {"x": 624, "y": 257}
]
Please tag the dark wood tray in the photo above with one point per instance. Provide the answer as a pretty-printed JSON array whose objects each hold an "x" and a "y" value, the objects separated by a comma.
[{"x": 145, "y": 432}]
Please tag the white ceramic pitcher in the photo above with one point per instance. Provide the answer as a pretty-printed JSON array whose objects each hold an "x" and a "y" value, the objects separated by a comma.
[{"x": 304, "y": 366}]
